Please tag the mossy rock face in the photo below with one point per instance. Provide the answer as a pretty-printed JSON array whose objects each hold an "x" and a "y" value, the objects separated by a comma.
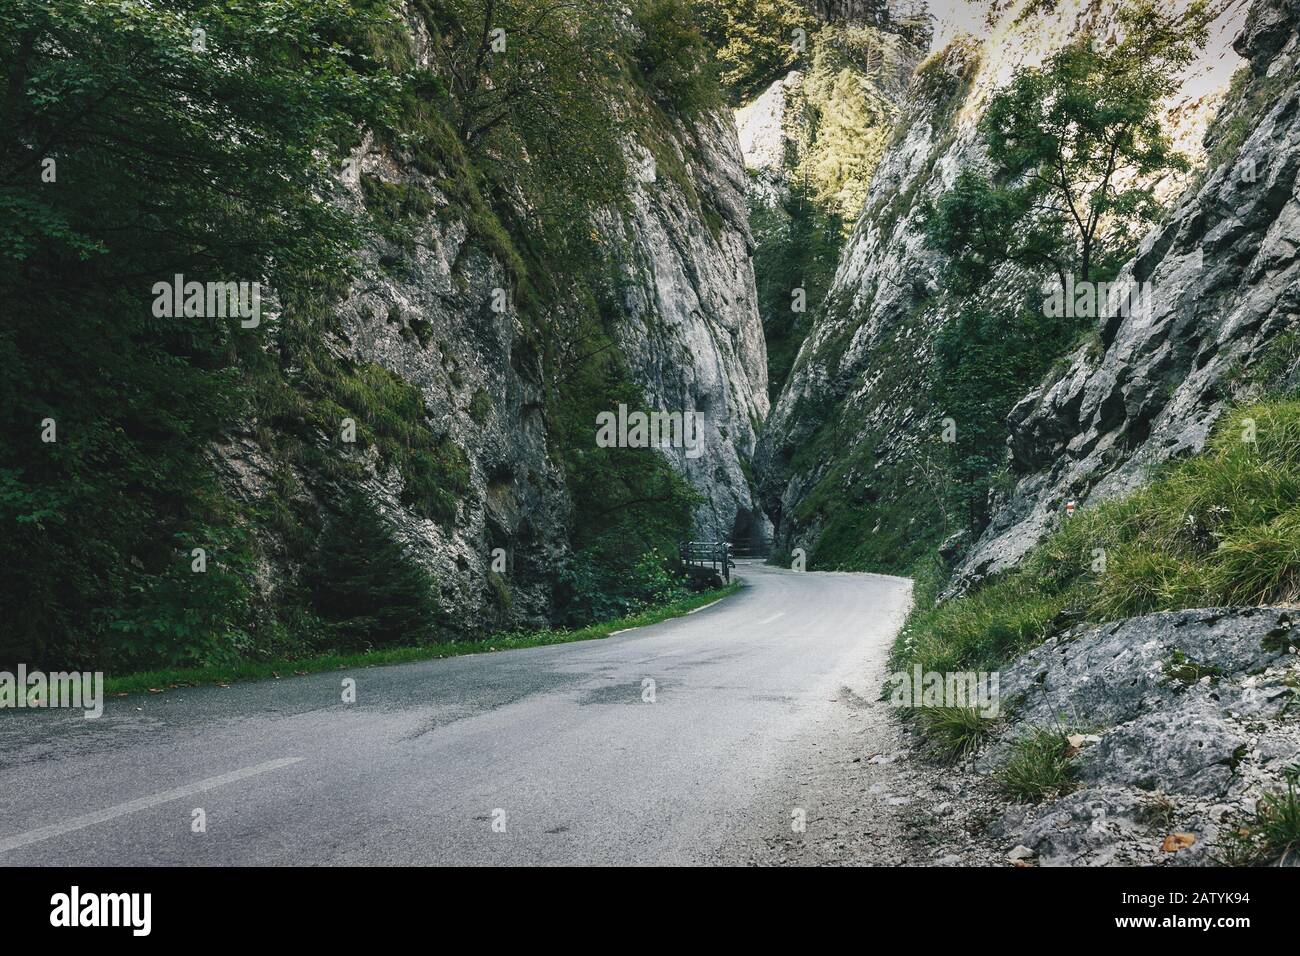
[
  {"x": 867, "y": 493},
  {"x": 1181, "y": 669},
  {"x": 480, "y": 407},
  {"x": 396, "y": 204},
  {"x": 437, "y": 478},
  {"x": 502, "y": 206}
]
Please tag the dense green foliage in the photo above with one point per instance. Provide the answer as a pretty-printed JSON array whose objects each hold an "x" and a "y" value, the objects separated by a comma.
[
  {"x": 797, "y": 246},
  {"x": 630, "y": 505},
  {"x": 366, "y": 588},
  {"x": 533, "y": 121},
  {"x": 754, "y": 41},
  {"x": 972, "y": 222},
  {"x": 197, "y": 138},
  {"x": 171, "y": 156},
  {"x": 985, "y": 360},
  {"x": 674, "y": 58},
  {"x": 847, "y": 118}
]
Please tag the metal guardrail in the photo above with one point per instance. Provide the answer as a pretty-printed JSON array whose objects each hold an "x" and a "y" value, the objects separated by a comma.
[{"x": 708, "y": 554}]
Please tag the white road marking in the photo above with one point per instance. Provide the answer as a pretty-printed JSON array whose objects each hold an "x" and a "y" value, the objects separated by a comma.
[
  {"x": 772, "y": 618},
  {"x": 704, "y": 607},
  {"x": 697, "y": 610},
  {"x": 143, "y": 803}
]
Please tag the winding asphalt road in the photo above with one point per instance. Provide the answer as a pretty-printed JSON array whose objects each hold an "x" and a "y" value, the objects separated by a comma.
[{"x": 552, "y": 755}]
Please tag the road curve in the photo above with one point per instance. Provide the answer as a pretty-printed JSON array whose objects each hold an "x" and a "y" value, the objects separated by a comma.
[{"x": 551, "y": 755}]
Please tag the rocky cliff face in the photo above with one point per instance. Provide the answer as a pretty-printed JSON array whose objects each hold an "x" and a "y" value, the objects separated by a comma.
[
  {"x": 1178, "y": 726},
  {"x": 850, "y": 462},
  {"x": 1226, "y": 281},
  {"x": 423, "y": 312},
  {"x": 692, "y": 338},
  {"x": 428, "y": 309},
  {"x": 1189, "y": 738}
]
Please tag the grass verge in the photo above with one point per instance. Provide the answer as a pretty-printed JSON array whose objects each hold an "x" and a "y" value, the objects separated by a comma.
[
  {"x": 1219, "y": 529},
  {"x": 158, "y": 680}
]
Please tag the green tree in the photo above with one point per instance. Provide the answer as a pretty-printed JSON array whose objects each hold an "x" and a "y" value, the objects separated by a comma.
[
  {"x": 137, "y": 142},
  {"x": 506, "y": 60},
  {"x": 674, "y": 58},
  {"x": 797, "y": 246},
  {"x": 847, "y": 119},
  {"x": 973, "y": 222},
  {"x": 1076, "y": 147},
  {"x": 535, "y": 122},
  {"x": 627, "y": 501},
  {"x": 755, "y": 40},
  {"x": 367, "y": 587}
]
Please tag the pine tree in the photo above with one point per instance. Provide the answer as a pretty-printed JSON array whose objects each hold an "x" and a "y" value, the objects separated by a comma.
[{"x": 367, "y": 586}]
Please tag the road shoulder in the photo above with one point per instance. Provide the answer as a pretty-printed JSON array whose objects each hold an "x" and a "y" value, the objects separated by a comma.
[{"x": 857, "y": 792}]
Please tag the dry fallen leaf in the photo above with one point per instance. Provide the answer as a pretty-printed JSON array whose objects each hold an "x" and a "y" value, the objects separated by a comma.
[{"x": 1178, "y": 841}]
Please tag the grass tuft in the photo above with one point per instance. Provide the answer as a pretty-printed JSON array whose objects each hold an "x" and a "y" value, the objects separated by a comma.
[
  {"x": 1272, "y": 836},
  {"x": 958, "y": 732},
  {"x": 1041, "y": 766}
]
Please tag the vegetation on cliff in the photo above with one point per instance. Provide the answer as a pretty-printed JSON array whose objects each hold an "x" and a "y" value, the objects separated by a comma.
[
  {"x": 1219, "y": 529},
  {"x": 839, "y": 117},
  {"x": 754, "y": 41}
]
